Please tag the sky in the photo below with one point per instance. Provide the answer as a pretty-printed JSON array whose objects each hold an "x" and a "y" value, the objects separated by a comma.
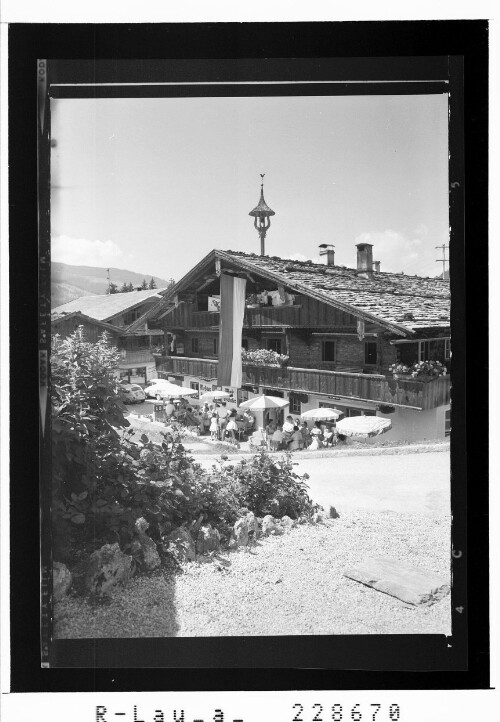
[{"x": 153, "y": 185}]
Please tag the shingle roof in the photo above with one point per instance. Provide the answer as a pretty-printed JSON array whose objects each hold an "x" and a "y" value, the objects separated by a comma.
[
  {"x": 411, "y": 302},
  {"x": 57, "y": 316},
  {"x": 106, "y": 307}
]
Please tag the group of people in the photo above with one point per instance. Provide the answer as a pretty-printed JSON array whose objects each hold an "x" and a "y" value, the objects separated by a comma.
[
  {"x": 296, "y": 435},
  {"x": 217, "y": 419},
  {"x": 225, "y": 423}
]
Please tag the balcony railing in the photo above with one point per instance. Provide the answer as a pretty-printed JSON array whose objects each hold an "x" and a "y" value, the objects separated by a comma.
[
  {"x": 137, "y": 357},
  {"x": 366, "y": 387}
]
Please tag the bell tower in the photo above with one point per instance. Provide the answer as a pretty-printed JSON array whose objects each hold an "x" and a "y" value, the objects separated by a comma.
[{"x": 262, "y": 217}]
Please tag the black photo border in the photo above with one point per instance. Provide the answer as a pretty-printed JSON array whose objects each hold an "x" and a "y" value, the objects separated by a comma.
[{"x": 368, "y": 662}]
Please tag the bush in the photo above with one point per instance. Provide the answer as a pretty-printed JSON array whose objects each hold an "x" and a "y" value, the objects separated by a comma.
[
  {"x": 103, "y": 481},
  {"x": 266, "y": 485}
]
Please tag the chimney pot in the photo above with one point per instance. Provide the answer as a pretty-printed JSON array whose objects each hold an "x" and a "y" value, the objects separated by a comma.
[
  {"x": 327, "y": 250},
  {"x": 376, "y": 266},
  {"x": 365, "y": 258}
]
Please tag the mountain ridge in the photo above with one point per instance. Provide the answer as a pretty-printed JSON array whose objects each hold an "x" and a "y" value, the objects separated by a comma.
[{"x": 70, "y": 282}]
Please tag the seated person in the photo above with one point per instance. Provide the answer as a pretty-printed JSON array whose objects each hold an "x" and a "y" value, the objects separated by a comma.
[
  {"x": 297, "y": 441},
  {"x": 232, "y": 427},
  {"x": 328, "y": 436},
  {"x": 288, "y": 426},
  {"x": 169, "y": 408},
  {"x": 316, "y": 435}
]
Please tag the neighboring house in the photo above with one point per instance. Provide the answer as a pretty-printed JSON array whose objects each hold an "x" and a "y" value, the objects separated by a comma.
[
  {"x": 341, "y": 328},
  {"x": 117, "y": 312},
  {"x": 65, "y": 323}
]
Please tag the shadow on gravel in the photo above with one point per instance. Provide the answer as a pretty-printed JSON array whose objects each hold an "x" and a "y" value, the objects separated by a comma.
[{"x": 144, "y": 608}]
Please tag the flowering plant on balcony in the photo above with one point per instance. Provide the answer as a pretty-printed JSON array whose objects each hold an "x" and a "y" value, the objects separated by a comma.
[
  {"x": 264, "y": 357},
  {"x": 419, "y": 368}
]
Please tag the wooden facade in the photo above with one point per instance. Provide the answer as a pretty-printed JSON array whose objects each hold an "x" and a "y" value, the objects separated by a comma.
[
  {"x": 412, "y": 393},
  {"x": 304, "y": 313},
  {"x": 93, "y": 331}
]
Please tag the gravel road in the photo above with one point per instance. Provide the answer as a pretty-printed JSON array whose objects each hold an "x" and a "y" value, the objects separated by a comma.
[
  {"x": 412, "y": 483},
  {"x": 291, "y": 584}
]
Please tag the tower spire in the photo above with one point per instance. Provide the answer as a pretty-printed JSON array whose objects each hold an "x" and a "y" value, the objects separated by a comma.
[{"x": 262, "y": 216}]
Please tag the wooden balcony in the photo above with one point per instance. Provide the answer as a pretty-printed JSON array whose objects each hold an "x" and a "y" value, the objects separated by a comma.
[
  {"x": 140, "y": 356},
  {"x": 366, "y": 387}
]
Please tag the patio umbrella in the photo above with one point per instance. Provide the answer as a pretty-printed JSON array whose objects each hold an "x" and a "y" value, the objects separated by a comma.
[
  {"x": 264, "y": 402},
  {"x": 322, "y": 414},
  {"x": 363, "y": 426},
  {"x": 172, "y": 391},
  {"x": 210, "y": 395}
]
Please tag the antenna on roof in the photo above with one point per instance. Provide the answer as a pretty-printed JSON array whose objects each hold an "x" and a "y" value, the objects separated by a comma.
[{"x": 443, "y": 260}]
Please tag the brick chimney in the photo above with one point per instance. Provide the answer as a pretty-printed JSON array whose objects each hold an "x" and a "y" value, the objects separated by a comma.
[
  {"x": 326, "y": 250},
  {"x": 376, "y": 266},
  {"x": 365, "y": 258}
]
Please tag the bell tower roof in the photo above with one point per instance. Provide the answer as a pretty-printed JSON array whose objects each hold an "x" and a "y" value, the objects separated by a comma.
[{"x": 262, "y": 210}]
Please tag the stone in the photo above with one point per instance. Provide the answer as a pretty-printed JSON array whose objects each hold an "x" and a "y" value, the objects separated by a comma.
[
  {"x": 253, "y": 525},
  {"x": 208, "y": 540},
  {"x": 108, "y": 567},
  {"x": 61, "y": 580},
  {"x": 144, "y": 547},
  {"x": 287, "y": 522},
  {"x": 334, "y": 513},
  {"x": 239, "y": 536},
  {"x": 413, "y": 585},
  {"x": 318, "y": 517},
  {"x": 181, "y": 544},
  {"x": 268, "y": 525}
]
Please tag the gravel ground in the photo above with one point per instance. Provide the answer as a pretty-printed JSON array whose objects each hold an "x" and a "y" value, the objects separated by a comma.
[{"x": 291, "y": 584}]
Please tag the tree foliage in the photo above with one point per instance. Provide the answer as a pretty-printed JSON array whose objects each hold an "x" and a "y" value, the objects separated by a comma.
[{"x": 104, "y": 479}]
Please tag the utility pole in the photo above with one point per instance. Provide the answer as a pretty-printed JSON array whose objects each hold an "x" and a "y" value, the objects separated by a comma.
[
  {"x": 443, "y": 260},
  {"x": 109, "y": 282}
]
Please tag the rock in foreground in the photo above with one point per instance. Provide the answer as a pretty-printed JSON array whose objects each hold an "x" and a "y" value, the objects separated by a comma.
[
  {"x": 61, "y": 580},
  {"x": 412, "y": 585},
  {"x": 108, "y": 567}
]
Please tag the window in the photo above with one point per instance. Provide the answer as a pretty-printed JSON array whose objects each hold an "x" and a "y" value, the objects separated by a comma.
[
  {"x": 244, "y": 343},
  {"x": 447, "y": 349},
  {"x": 370, "y": 353},
  {"x": 195, "y": 345},
  {"x": 295, "y": 405},
  {"x": 274, "y": 344},
  {"x": 196, "y": 387},
  {"x": 216, "y": 346},
  {"x": 328, "y": 351},
  {"x": 447, "y": 422},
  {"x": 202, "y": 302}
]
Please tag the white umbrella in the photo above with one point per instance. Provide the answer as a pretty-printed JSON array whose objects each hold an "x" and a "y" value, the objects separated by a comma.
[
  {"x": 325, "y": 414},
  {"x": 363, "y": 426},
  {"x": 173, "y": 391},
  {"x": 210, "y": 395},
  {"x": 264, "y": 402}
]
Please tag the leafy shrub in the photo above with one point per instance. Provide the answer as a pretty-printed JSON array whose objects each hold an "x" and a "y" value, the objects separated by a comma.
[
  {"x": 103, "y": 480},
  {"x": 266, "y": 485}
]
